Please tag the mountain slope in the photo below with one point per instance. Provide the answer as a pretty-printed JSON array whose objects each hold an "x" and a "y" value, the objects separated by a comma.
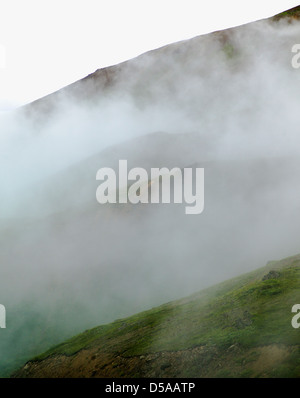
[
  {"x": 226, "y": 101},
  {"x": 292, "y": 13},
  {"x": 241, "y": 327},
  {"x": 151, "y": 67}
]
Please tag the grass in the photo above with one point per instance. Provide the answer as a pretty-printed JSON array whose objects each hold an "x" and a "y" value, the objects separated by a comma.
[{"x": 245, "y": 311}]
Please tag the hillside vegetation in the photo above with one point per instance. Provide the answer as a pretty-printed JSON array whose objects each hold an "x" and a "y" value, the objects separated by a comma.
[
  {"x": 293, "y": 13},
  {"x": 239, "y": 328},
  {"x": 226, "y": 101}
]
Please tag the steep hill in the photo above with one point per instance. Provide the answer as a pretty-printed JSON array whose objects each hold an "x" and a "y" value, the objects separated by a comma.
[
  {"x": 239, "y": 328},
  {"x": 228, "y": 101},
  {"x": 140, "y": 76}
]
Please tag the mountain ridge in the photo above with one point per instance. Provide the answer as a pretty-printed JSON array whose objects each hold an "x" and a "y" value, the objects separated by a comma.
[{"x": 104, "y": 79}]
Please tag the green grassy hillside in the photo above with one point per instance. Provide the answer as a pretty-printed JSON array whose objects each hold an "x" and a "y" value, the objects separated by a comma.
[{"x": 239, "y": 328}]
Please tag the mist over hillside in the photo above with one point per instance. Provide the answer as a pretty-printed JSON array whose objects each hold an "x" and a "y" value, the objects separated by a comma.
[
  {"x": 228, "y": 102},
  {"x": 238, "y": 328}
]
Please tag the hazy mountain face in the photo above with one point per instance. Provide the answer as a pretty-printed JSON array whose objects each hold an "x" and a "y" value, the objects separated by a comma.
[{"x": 228, "y": 102}]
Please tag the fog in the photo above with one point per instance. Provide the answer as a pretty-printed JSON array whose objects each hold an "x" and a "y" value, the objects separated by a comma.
[{"x": 228, "y": 102}]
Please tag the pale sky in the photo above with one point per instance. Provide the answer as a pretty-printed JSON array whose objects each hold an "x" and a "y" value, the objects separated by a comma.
[{"x": 47, "y": 44}]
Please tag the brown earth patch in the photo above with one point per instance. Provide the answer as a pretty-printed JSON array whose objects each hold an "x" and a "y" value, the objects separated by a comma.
[{"x": 199, "y": 362}]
